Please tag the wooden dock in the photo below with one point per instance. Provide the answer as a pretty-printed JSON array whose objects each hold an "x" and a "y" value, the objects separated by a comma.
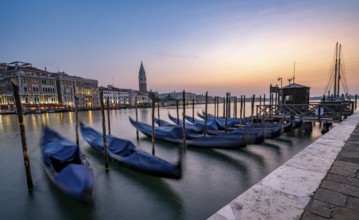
[{"x": 329, "y": 112}]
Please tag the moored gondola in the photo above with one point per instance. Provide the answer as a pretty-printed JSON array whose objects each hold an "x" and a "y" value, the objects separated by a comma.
[
  {"x": 126, "y": 153},
  {"x": 66, "y": 166}
]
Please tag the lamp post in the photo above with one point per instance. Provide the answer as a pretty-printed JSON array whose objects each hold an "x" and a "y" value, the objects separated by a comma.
[{"x": 280, "y": 79}]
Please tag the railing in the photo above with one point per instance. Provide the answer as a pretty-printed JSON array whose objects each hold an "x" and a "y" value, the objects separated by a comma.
[{"x": 313, "y": 111}]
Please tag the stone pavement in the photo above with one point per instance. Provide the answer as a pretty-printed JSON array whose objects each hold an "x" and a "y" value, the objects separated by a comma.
[{"x": 338, "y": 194}]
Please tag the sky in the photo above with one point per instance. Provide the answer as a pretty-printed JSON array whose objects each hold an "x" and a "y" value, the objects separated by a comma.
[{"x": 219, "y": 46}]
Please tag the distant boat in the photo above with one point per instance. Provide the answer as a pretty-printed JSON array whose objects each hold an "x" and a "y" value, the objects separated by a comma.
[
  {"x": 337, "y": 80},
  {"x": 66, "y": 166},
  {"x": 125, "y": 152}
]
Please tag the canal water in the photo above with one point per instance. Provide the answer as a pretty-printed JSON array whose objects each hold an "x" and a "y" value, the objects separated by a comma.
[{"x": 211, "y": 178}]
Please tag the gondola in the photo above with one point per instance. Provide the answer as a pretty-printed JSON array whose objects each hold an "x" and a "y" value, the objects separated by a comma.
[
  {"x": 252, "y": 136},
  {"x": 231, "y": 122},
  {"x": 297, "y": 123},
  {"x": 126, "y": 153},
  {"x": 198, "y": 125},
  {"x": 174, "y": 134},
  {"x": 66, "y": 166}
]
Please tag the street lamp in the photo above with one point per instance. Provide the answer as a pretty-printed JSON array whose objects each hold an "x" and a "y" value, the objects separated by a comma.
[{"x": 280, "y": 79}]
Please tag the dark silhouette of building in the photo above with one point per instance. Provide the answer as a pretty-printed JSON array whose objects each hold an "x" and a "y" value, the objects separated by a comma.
[
  {"x": 142, "y": 79},
  {"x": 294, "y": 94}
]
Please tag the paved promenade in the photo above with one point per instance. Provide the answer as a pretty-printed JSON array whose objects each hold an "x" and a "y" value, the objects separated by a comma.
[
  {"x": 320, "y": 182},
  {"x": 338, "y": 195}
]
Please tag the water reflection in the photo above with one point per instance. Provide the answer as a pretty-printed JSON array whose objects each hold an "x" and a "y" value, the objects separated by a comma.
[
  {"x": 211, "y": 178},
  {"x": 252, "y": 155},
  {"x": 216, "y": 155}
]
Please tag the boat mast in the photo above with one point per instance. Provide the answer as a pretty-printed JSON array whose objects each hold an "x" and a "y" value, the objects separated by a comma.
[
  {"x": 335, "y": 69},
  {"x": 294, "y": 72},
  {"x": 338, "y": 80}
]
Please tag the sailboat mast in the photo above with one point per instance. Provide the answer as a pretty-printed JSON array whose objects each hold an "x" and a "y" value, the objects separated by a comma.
[
  {"x": 335, "y": 69},
  {"x": 338, "y": 80},
  {"x": 294, "y": 72}
]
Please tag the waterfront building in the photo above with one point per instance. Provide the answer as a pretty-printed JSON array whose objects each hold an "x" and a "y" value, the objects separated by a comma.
[
  {"x": 85, "y": 89},
  {"x": 142, "y": 79},
  {"x": 177, "y": 96},
  {"x": 43, "y": 90},
  {"x": 35, "y": 86},
  {"x": 120, "y": 98}
]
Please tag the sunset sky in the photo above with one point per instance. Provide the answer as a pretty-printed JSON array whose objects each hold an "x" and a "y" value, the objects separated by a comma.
[{"x": 219, "y": 46}]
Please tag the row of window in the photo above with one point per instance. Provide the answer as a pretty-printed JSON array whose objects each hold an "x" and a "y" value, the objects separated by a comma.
[{"x": 35, "y": 89}]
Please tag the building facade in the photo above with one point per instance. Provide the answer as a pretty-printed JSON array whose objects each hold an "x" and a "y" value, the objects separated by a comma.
[
  {"x": 85, "y": 89},
  {"x": 40, "y": 89},
  {"x": 121, "y": 98}
]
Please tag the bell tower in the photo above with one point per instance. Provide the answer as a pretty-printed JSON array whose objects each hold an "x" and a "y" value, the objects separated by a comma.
[{"x": 142, "y": 79}]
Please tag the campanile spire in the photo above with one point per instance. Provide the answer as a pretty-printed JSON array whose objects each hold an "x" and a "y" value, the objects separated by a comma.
[{"x": 142, "y": 79}]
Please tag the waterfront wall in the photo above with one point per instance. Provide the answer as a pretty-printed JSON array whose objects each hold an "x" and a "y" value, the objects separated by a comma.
[{"x": 285, "y": 192}]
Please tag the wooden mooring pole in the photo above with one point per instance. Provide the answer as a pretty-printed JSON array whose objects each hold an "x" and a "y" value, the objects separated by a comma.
[
  {"x": 252, "y": 106},
  {"x": 226, "y": 114},
  {"x": 224, "y": 107},
  {"x": 158, "y": 112},
  {"x": 153, "y": 124},
  {"x": 77, "y": 121},
  {"x": 356, "y": 101},
  {"x": 177, "y": 112},
  {"x": 108, "y": 115},
  {"x": 206, "y": 116},
  {"x": 192, "y": 110},
  {"x": 235, "y": 107},
  {"x": 241, "y": 111},
  {"x": 264, "y": 99},
  {"x": 244, "y": 106},
  {"x": 217, "y": 106},
  {"x": 25, "y": 151},
  {"x": 229, "y": 105},
  {"x": 104, "y": 130},
  {"x": 76, "y": 116},
  {"x": 271, "y": 105},
  {"x": 136, "y": 107},
  {"x": 184, "y": 118}
]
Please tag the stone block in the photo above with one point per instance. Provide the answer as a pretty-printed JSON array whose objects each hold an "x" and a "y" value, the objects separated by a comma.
[
  {"x": 345, "y": 164},
  {"x": 294, "y": 181},
  {"x": 262, "y": 202},
  {"x": 340, "y": 187},
  {"x": 311, "y": 216},
  {"x": 319, "y": 208},
  {"x": 322, "y": 150},
  {"x": 353, "y": 203},
  {"x": 331, "y": 197},
  {"x": 327, "y": 142},
  {"x": 307, "y": 161},
  {"x": 343, "y": 171},
  {"x": 343, "y": 179},
  {"x": 345, "y": 213},
  {"x": 341, "y": 131}
]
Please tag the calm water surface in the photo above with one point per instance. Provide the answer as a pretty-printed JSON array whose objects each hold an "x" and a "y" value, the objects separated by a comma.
[{"x": 211, "y": 178}]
